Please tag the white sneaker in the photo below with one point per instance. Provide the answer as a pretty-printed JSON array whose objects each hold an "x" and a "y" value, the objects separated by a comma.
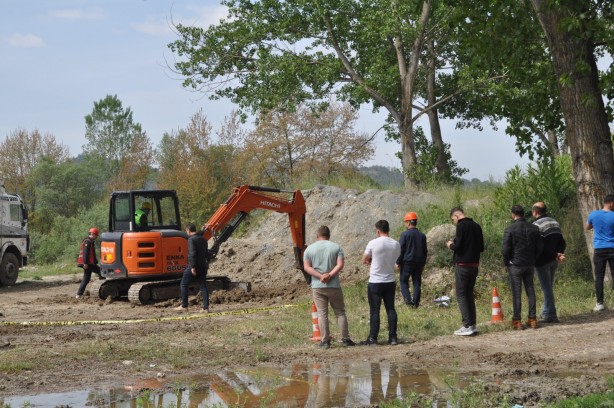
[
  {"x": 464, "y": 331},
  {"x": 475, "y": 329},
  {"x": 599, "y": 307},
  {"x": 78, "y": 297}
]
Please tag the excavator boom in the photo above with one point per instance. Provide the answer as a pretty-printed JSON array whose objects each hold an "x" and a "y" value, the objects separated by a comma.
[{"x": 246, "y": 198}]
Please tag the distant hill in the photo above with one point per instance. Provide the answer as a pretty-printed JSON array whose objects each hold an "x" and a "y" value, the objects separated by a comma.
[
  {"x": 386, "y": 177},
  {"x": 390, "y": 177}
]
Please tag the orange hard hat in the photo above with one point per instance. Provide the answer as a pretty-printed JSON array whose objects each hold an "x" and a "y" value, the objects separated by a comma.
[
  {"x": 410, "y": 216},
  {"x": 94, "y": 231}
]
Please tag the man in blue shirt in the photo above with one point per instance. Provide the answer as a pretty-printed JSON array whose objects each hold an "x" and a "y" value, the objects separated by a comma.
[{"x": 602, "y": 223}]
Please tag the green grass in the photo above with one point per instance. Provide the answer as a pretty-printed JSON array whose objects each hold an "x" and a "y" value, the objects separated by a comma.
[{"x": 37, "y": 272}]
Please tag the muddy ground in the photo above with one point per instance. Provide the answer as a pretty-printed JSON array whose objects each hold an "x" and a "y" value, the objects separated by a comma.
[{"x": 529, "y": 367}]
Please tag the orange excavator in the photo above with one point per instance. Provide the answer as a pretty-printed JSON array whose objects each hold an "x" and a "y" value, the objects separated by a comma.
[{"x": 144, "y": 252}]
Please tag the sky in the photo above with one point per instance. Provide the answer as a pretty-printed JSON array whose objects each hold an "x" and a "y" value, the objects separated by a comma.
[{"x": 61, "y": 56}]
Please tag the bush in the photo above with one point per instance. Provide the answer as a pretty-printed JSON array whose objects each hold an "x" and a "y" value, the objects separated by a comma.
[
  {"x": 551, "y": 181},
  {"x": 62, "y": 242}
]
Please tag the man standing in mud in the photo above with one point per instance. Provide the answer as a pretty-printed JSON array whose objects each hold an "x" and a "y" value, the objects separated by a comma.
[
  {"x": 468, "y": 244},
  {"x": 197, "y": 267},
  {"x": 381, "y": 255},
  {"x": 324, "y": 260},
  {"x": 89, "y": 260}
]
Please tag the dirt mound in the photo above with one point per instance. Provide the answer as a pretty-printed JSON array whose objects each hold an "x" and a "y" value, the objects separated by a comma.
[{"x": 265, "y": 258}]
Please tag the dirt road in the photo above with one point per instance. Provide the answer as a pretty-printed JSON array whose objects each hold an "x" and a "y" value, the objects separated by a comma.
[{"x": 550, "y": 363}]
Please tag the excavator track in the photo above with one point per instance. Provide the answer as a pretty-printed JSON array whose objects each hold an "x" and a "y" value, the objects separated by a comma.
[
  {"x": 104, "y": 289},
  {"x": 142, "y": 293}
]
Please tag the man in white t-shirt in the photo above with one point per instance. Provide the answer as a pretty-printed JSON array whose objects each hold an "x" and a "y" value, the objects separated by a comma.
[{"x": 381, "y": 254}]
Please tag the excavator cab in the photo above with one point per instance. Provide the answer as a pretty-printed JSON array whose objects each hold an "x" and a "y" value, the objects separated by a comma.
[{"x": 144, "y": 210}]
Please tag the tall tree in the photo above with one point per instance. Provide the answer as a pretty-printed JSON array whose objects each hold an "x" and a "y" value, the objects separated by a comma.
[
  {"x": 271, "y": 55},
  {"x": 573, "y": 30},
  {"x": 498, "y": 56},
  {"x": 63, "y": 190},
  {"x": 113, "y": 136},
  {"x": 20, "y": 152},
  {"x": 199, "y": 170},
  {"x": 288, "y": 146}
]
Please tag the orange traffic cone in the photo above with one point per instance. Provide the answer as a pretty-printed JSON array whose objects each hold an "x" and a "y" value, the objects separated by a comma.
[
  {"x": 497, "y": 314},
  {"x": 315, "y": 373},
  {"x": 316, "y": 326}
]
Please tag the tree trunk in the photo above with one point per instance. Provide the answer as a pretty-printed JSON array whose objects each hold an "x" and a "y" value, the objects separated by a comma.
[
  {"x": 441, "y": 164},
  {"x": 408, "y": 153},
  {"x": 409, "y": 72},
  {"x": 553, "y": 143},
  {"x": 587, "y": 132}
]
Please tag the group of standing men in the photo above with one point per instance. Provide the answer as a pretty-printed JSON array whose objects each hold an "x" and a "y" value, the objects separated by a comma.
[
  {"x": 527, "y": 248},
  {"x": 324, "y": 260}
]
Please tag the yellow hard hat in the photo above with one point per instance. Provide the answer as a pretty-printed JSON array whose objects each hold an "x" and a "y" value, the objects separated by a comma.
[{"x": 146, "y": 205}]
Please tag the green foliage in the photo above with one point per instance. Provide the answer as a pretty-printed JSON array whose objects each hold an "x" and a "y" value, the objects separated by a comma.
[
  {"x": 550, "y": 181},
  {"x": 63, "y": 190},
  {"x": 61, "y": 242},
  {"x": 501, "y": 61},
  {"x": 424, "y": 171},
  {"x": 110, "y": 130}
]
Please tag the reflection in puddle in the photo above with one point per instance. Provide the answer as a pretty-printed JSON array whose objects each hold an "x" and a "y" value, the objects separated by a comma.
[{"x": 340, "y": 385}]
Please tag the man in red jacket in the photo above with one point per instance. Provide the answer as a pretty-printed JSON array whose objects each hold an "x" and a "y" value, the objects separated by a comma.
[{"x": 90, "y": 261}]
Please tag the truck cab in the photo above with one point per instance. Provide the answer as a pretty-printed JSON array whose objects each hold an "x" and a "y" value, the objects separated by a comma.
[{"x": 14, "y": 238}]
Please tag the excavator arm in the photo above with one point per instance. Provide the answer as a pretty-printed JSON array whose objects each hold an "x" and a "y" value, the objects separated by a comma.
[{"x": 246, "y": 198}]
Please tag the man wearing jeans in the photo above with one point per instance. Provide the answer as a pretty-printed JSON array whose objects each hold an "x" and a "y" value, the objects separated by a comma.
[
  {"x": 468, "y": 244},
  {"x": 381, "y": 255},
  {"x": 522, "y": 244},
  {"x": 412, "y": 259},
  {"x": 546, "y": 263},
  {"x": 323, "y": 260},
  {"x": 197, "y": 268},
  {"x": 602, "y": 222}
]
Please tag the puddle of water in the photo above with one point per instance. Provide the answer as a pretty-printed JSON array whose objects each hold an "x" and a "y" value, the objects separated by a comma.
[{"x": 341, "y": 385}]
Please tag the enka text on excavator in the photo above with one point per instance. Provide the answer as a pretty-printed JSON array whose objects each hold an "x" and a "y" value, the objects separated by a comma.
[{"x": 145, "y": 260}]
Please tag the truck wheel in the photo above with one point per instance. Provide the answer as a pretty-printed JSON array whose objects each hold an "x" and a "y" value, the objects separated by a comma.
[{"x": 9, "y": 268}]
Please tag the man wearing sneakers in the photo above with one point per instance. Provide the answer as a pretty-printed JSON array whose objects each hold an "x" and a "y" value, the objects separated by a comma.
[
  {"x": 323, "y": 260},
  {"x": 602, "y": 223},
  {"x": 468, "y": 244},
  {"x": 381, "y": 254}
]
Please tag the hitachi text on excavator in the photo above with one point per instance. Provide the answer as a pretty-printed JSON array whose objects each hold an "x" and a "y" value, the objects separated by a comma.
[{"x": 145, "y": 262}]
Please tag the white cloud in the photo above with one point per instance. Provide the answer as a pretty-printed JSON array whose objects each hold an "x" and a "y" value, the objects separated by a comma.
[
  {"x": 153, "y": 27},
  {"x": 76, "y": 14},
  {"x": 206, "y": 16},
  {"x": 25, "y": 41}
]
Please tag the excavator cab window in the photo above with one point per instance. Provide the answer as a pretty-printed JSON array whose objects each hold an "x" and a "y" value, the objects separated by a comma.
[{"x": 144, "y": 210}]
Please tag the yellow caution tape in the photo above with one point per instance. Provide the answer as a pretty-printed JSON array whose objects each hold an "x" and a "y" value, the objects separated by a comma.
[{"x": 151, "y": 320}]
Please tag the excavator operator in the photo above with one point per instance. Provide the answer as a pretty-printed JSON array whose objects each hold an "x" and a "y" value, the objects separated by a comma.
[{"x": 140, "y": 215}]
